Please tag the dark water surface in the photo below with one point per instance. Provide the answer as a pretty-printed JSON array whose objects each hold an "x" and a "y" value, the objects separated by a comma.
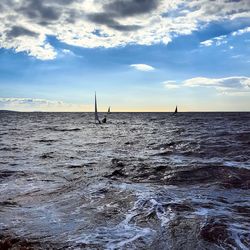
[{"x": 141, "y": 181}]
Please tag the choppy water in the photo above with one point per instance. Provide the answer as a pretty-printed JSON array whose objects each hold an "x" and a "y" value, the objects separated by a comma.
[{"x": 141, "y": 181}]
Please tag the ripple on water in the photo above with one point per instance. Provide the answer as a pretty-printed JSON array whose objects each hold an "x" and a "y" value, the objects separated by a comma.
[{"x": 142, "y": 181}]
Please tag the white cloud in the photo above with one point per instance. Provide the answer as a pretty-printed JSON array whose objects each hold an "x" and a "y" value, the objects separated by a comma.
[
  {"x": 171, "y": 85},
  {"x": 241, "y": 31},
  {"x": 200, "y": 81},
  {"x": 227, "y": 82},
  {"x": 33, "y": 46},
  {"x": 33, "y": 104},
  {"x": 207, "y": 43},
  {"x": 228, "y": 85},
  {"x": 142, "y": 67},
  {"x": 217, "y": 41},
  {"x": 25, "y": 24},
  {"x": 67, "y": 52},
  {"x": 234, "y": 85}
]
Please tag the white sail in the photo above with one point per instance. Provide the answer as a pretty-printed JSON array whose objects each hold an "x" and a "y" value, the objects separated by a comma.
[{"x": 96, "y": 112}]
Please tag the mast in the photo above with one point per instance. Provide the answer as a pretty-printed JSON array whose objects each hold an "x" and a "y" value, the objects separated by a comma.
[{"x": 96, "y": 112}]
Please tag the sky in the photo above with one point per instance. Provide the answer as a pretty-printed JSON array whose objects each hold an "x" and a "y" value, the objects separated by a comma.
[{"x": 138, "y": 55}]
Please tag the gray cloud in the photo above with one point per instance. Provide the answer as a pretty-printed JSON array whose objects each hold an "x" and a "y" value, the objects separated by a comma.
[
  {"x": 124, "y": 8},
  {"x": 64, "y": 2},
  {"x": 120, "y": 27},
  {"x": 233, "y": 1},
  {"x": 36, "y": 10},
  {"x": 104, "y": 18},
  {"x": 17, "y": 31},
  {"x": 72, "y": 16}
]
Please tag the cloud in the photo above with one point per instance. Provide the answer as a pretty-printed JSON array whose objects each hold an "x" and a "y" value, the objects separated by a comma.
[
  {"x": 120, "y": 9},
  {"x": 142, "y": 67},
  {"x": 207, "y": 43},
  {"x": 217, "y": 41},
  {"x": 25, "y": 24},
  {"x": 234, "y": 85},
  {"x": 227, "y": 82},
  {"x": 20, "y": 31},
  {"x": 68, "y": 52},
  {"x": 124, "y": 8},
  {"x": 171, "y": 85},
  {"x": 32, "y": 104},
  {"x": 104, "y": 18},
  {"x": 241, "y": 31},
  {"x": 36, "y": 10}
]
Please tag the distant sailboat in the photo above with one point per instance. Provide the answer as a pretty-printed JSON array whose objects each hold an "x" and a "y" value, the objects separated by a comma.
[
  {"x": 96, "y": 112},
  {"x": 176, "y": 110},
  {"x": 104, "y": 120}
]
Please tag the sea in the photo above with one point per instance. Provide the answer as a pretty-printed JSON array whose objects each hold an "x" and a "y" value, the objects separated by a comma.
[{"x": 140, "y": 181}]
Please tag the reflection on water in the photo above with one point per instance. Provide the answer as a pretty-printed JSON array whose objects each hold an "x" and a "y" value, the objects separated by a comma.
[{"x": 141, "y": 181}]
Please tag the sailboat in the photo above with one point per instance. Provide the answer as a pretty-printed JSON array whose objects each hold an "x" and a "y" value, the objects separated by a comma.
[
  {"x": 96, "y": 112},
  {"x": 176, "y": 110},
  {"x": 104, "y": 120}
]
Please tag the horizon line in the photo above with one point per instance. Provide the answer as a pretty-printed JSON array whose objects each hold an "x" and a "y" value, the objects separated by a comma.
[{"x": 200, "y": 111}]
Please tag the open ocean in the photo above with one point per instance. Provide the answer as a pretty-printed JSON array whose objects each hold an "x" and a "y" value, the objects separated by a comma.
[{"x": 141, "y": 181}]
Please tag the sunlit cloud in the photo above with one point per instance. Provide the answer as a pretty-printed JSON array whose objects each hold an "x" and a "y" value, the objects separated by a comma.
[{"x": 142, "y": 67}]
